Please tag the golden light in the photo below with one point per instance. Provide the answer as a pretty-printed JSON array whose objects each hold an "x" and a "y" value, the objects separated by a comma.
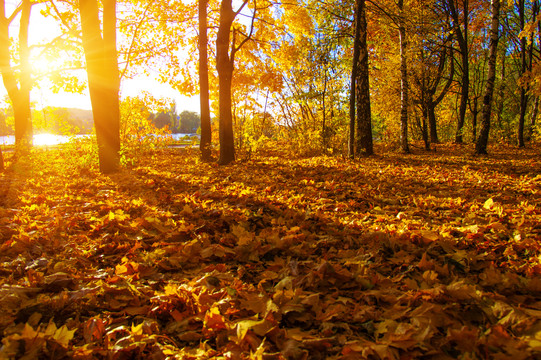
[
  {"x": 41, "y": 65},
  {"x": 47, "y": 139}
]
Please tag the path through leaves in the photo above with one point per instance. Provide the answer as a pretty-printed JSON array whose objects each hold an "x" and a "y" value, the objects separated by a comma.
[{"x": 432, "y": 256}]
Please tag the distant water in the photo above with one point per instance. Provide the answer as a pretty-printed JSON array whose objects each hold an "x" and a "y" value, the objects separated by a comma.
[
  {"x": 42, "y": 139},
  {"x": 51, "y": 139}
]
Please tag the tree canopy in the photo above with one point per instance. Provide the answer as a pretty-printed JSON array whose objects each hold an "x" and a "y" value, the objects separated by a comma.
[{"x": 293, "y": 60}]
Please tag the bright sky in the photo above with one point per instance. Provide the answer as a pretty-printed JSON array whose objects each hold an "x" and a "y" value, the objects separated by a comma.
[
  {"x": 44, "y": 29},
  {"x": 131, "y": 87}
]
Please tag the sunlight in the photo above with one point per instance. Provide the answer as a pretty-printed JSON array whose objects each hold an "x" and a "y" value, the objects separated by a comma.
[
  {"x": 47, "y": 139},
  {"x": 40, "y": 65}
]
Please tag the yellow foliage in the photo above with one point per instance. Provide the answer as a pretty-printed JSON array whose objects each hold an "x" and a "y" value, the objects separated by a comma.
[{"x": 298, "y": 20}]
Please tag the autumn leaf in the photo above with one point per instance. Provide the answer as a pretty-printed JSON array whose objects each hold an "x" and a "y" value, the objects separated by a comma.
[
  {"x": 63, "y": 335},
  {"x": 259, "y": 327},
  {"x": 317, "y": 266},
  {"x": 214, "y": 321}
]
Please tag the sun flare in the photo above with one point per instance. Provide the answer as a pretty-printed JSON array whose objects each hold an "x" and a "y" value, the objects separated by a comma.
[
  {"x": 41, "y": 65},
  {"x": 47, "y": 139}
]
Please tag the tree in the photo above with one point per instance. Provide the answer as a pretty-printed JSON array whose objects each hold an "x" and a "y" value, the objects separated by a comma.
[
  {"x": 535, "y": 110},
  {"x": 433, "y": 71},
  {"x": 162, "y": 119},
  {"x": 478, "y": 73},
  {"x": 404, "y": 146},
  {"x": 18, "y": 91},
  {"x": 531, "y": 79},
  {"x": 364, "y": 142},
  {"x": 523, "y": 70},
  {"x": 225, "y": 64},
  {"x": 103, "y": 79},
  {"x": 482, "y": 141},
  {"x": 429, "y": 86},
  {"x": 206, "y": 129},
  {"x": 461, "y": 35},
  {"x": 353, "y": 87},
  {"x": 313, "y": 70},
  {"x": 189, "y": 122},
  {"x": 138, "y": 131}
]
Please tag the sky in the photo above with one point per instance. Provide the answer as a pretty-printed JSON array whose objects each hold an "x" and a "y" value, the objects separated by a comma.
[
  {"x": 131, "y": 87},
  {"x": 44, "y": 29}
]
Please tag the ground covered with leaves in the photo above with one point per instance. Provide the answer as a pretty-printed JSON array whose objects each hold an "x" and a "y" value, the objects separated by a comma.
[{"x": 425, "y": 256}]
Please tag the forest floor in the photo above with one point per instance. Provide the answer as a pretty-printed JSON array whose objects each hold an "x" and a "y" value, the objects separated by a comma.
[{"x": 424, "y": 256}]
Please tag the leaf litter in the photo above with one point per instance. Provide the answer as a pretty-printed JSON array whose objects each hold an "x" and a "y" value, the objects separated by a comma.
[{"x": 432, "y": 256}]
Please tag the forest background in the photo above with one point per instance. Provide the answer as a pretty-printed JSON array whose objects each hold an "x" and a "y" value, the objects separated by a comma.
[{"x": 421, "y": 68}]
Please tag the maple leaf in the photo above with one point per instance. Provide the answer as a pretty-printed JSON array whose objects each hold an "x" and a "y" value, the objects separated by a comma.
[
  {"x": 301, "y": 251},
  {"x": 259, "y": 327},
  {"x": 63, "y": 335},
  {"x": 214, "y": 321}
]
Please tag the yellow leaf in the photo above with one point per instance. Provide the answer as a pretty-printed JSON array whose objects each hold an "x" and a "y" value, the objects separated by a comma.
[
  {"x": 138, "y": 329},
  {"x": 429, "y": 236},
  {"x": 64, "y": 335},
  {"x": 51, "y": 329},
  {"x": 214, "y": 320},
  {"x": 170, "y": 290},
  {"x": 258, "y": 355},
  {"x": 534, "y": 344},
  {"x": 152, "y": 219},
  {"x": 430, "y": 276},
  {"x": 386, "y": 326},
  {"x": 138, "y": 202},
  {"x": 120, "y": 215},
  {"x": 28, "y": 332},
  {"x": 489, "y": 204},
  {"x": 121, "y": 269},
  {"x": 244, "y": 237},
  {"x": 259, "y": 327}
]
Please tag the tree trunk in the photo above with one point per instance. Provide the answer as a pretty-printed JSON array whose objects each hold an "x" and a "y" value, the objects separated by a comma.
[
  {"x": 224, "y": 65},
  {"x": 533, "y": 117},
  {"x": 522, "y": 117},
  {"x": 103, "y": 79},
  {"x": 404, "y": 146},
  {"x": 364, "y": 117},
  {"x": 206, "y": 128},
  {"x": 265, "y": 115},
  {"x": 501, "y": 94},
  {"x": 324, "y": 133},
  {"x": 462, "y": 38},
  {"x": 424, "y": 128},
  {"x": 474, "y": 112},
  {"x": 353, "y": 86},
  {"x": 432, "y": 125},
  {"x": 524, "y": 68},
  {"x": 428, "y": 92},
  {"x": 23, "y": 132},
  {"x": 482, "y": 141},
  {"x": 19, "y": 93}
]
